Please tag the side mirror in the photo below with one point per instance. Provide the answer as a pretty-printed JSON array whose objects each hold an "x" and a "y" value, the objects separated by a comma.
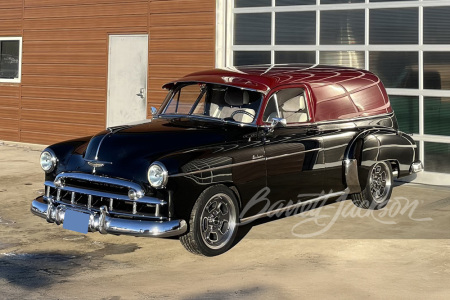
[
  {"x": 153, "y": 110},
  {"x": 277, "y": 122}
]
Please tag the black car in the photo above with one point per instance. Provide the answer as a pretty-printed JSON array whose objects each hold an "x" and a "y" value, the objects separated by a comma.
[{"x": 299, "y": 133}]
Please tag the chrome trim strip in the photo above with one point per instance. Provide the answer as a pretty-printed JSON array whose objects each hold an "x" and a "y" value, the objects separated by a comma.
[
  {"x": 389, "y": 146},
  {"x": 242, "y": 163},
  {"x": 218, "y": 168},
  {"x": 100, "y": 143},
  {"x": 389, "y": 115},
  {"x": 104, "y": 223},
  {"x": 290, "y": 154},
  {"x": 280, "y": 210}
]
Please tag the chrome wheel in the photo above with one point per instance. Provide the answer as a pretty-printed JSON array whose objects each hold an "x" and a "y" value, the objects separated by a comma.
[
  {"x": 218, "y": 221},
  {"x": 380, "y": 182}
]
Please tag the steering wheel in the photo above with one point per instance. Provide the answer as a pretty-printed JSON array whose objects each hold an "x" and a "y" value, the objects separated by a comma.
[{"x": 241, "y": 111}]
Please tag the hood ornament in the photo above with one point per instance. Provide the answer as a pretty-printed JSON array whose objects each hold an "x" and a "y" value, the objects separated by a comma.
[{"x": 97, "y": 164}]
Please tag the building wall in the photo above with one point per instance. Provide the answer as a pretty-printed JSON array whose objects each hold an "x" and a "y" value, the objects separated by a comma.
[
  {"x": 63, "y": 91},
  {"x": 10, "y": 25}
]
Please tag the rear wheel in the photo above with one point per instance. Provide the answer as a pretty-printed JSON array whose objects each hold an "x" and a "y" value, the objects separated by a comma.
[
  {"x": 378, "y": 189},
  {"x": 213, "y": 222}
]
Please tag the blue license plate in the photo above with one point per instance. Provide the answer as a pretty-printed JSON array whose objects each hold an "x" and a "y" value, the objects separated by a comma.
[{"x": 76, "y": 221}]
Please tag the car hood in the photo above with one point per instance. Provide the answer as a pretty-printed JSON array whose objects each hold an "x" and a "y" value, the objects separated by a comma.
[{"x": 127, "y": 151}]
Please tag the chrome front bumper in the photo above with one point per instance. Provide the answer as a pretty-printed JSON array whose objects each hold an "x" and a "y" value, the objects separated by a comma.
[{"x": 103, "y": 223}]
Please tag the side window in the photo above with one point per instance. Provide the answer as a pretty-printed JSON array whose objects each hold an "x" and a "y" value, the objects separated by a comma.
[
  {"x": 289, "y": 104},
  {"x": 10, "y": 59}
]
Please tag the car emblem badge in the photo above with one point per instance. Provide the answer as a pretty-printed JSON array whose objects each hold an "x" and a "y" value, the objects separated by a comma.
[{"x": 95, "y": 164}]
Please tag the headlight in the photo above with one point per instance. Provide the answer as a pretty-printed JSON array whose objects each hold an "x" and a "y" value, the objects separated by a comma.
[
  {"x": 157, "y": 175},
  {"x": 48, "y": 161}
]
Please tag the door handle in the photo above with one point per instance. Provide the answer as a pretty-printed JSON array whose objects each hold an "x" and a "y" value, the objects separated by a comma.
[{"x": 141, "y": 93}]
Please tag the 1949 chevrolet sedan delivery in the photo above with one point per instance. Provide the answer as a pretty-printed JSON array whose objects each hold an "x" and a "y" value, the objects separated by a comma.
[{"x": 302, "y": 132}]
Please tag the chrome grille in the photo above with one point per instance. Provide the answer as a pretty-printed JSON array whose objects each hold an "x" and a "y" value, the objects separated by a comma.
[{"x": 93, "y": 191}]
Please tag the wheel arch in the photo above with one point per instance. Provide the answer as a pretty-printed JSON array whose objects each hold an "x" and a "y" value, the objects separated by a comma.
[{"x": 356, "y": 161}]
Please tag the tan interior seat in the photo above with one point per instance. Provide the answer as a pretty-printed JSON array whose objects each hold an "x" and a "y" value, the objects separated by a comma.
[{"x": 294, "y": 110}]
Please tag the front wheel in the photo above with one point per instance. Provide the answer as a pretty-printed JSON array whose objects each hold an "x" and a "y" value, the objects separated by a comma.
[
  {"x": 213, "y": 222},
  {"x": 378, "y": 189}
]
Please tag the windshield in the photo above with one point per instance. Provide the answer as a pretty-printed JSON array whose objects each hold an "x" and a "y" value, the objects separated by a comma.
[{"x": 214, "y": 101}]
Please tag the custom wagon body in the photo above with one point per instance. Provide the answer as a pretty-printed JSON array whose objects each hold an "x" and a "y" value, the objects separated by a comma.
[{"x": 221, "y": 139}]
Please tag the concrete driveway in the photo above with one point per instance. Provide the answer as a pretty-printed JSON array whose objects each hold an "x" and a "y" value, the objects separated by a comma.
[{"x": 335, "y": 252}]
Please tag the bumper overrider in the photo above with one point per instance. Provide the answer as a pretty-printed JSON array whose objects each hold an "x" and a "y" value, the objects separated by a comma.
[{"x": 104, "y": 218}]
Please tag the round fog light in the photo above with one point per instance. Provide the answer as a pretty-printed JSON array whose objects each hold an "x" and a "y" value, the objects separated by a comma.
[{"x": 134, "y": 195}]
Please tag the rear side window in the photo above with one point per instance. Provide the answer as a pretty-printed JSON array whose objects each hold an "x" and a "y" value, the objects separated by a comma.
[{"x": 289, "y": 104}]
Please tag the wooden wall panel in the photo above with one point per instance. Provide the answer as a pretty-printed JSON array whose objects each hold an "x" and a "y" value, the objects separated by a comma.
[
  {"x": 182, "y": 41},
  {"x": 188, "y": 45},
  {"x": 63, "y": 93},
  {"x": 10, "y": 25},
  {"x": 9, "y": 124},
  {"x": 67, "y": 117},
  {"x": 65, "y": 69},
  {"x": 181, "y": 32},
  {"x": 85, "y": 23},
  {"x": 9, "y": 135},
  {"x": 64, "y": 105},
  {"x": 45, "y": 138},
  {"x": 60, "y": 128},
  {"x": 65, "y": 62},
  {"x": 45, "y": 3},
  {"x": 65, "y": 59},
  {"x": 106, "y": 9}
]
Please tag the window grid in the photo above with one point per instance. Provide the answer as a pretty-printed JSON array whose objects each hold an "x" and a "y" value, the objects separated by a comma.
[{"x": 366, "y": 48}]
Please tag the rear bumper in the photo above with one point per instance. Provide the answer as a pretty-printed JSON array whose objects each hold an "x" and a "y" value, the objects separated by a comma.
[
  {"x": 103, "y": 223},
  {"x": 416, "y": 167}
]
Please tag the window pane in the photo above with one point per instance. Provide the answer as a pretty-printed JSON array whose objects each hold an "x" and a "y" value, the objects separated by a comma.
[
  {"x": 295, "y": 28},
  {"x": 252, "y": 3},
  {"x": 394, "y": 26},
  {"x": 437, "y": 115},
  {"x": 436, "y": 24},
  {"x": 242, "y": 58},
  {"x": 285, "y": 57},
  {"x": 184, "y": 99},
  {"x": 396, "y": 69},
  {"x": 434, "y": 154},
  {"x": 252, "y": 29},
  {"x": 406, "y": 110},
  {"x": 436, "y": 68},
  {"x": 294, "y": 2},
  {"x": 345, "y": 27},
  {"x": 353, "y": 59},
  {"x": 340, "y": 1},
  {"x": 9, "y": 59}
]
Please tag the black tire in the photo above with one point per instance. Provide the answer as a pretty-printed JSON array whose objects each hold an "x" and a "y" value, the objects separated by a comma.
[
  {"x": 213, "y": 222},
  {"x": 378, "y": 189}
]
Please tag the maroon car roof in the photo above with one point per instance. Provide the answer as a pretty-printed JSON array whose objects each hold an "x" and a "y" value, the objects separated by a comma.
[
  {"x": 341, "y": 92},
  {"x": 267, "y": 77}
]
